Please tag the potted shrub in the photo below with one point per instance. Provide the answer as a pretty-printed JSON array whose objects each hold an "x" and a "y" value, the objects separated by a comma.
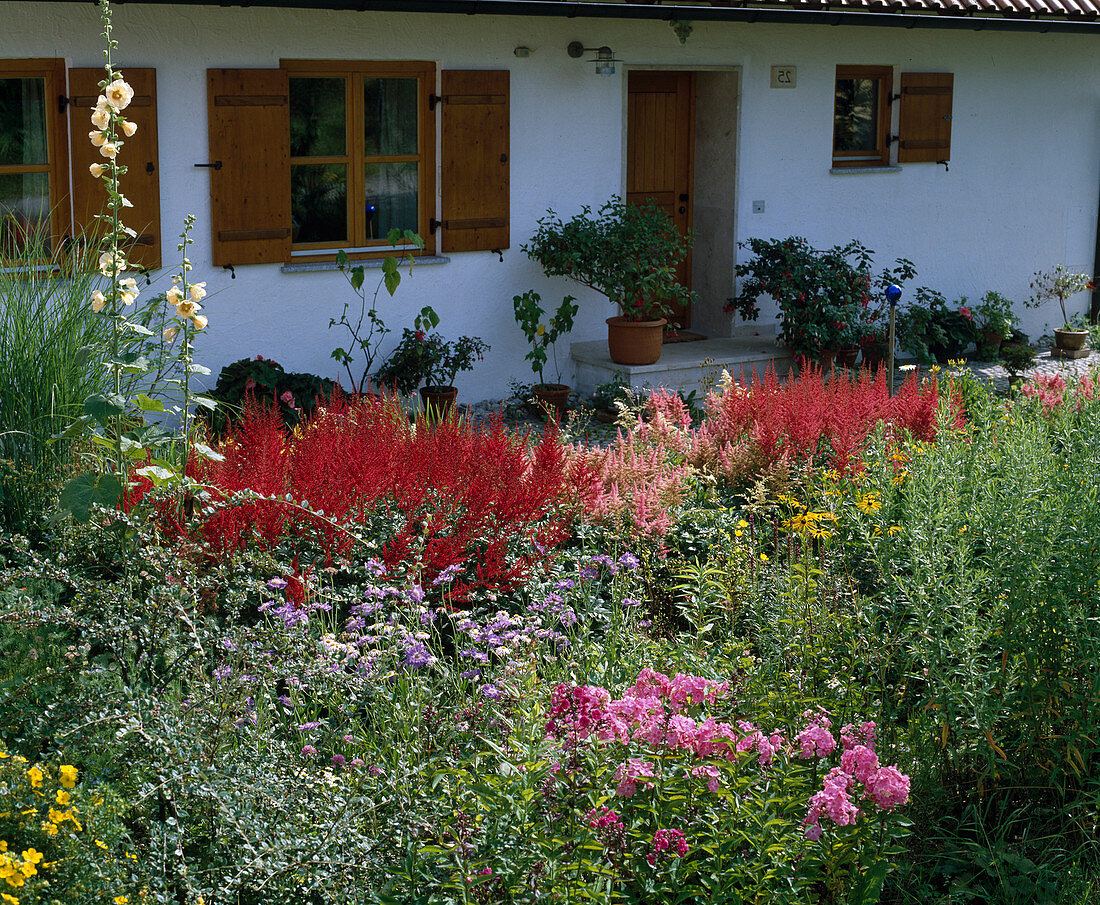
[
  {"x": 933, "y": 330},
  {"x": 628, "y": 252},
  {"x": 1061, "y": 283},
  {"x": 427, "y": 358},
  {"x": 549, "y": 397},
  {"x": 824, "y": 297},
  {"x": 994, "y": 321}
]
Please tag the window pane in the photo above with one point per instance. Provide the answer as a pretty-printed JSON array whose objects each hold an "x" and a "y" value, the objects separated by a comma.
[
  {"x": 855, "y": 120},
  {"x": 24, "y": 206},
  {"x": 392, "y": 195},
  {"x": 319, "y": 202},
  {"x": 317, "y": 117},
  {"x": 390, "y": 116},
  {"x": 22, "y": 121}
]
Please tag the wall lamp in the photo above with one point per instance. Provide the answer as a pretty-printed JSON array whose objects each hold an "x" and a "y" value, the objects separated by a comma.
[{"x": 605, "y": 58}]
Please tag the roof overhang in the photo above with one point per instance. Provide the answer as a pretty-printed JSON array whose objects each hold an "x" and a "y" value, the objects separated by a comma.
[{"x": 820, "y": 13}]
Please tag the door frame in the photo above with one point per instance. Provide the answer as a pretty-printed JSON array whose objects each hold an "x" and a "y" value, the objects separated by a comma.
[{"x": 738, "y": 70}]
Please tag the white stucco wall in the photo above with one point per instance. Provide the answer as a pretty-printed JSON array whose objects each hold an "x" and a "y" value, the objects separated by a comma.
[{"x": 1021, "y": 193}]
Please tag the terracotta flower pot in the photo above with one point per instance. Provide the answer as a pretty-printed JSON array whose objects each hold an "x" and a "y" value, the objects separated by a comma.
[
  {"x": 1070, "y": 340},
  {"x": 874, "y": 354},
  {"x": 551, "y": 399},
  {"x": 846, "y": 356},
  {"x": 634, "y": 342},
  {"x": 827, "y": 359},
  {"x": 438, "y": 401}
]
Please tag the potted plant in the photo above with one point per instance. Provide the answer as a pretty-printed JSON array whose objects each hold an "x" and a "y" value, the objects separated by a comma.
[
  {"x": 427, "y": 358},
  {"x": 933, "y": 330},
  {"x": 824, "y": 297},
  {"x": 367, "y": 328},
  {"x": 994, "y": 321},
  {"x": 1061, "y": 283},
  {"x": 628, "y": 252},
  {"x": 549, "y": 397}
]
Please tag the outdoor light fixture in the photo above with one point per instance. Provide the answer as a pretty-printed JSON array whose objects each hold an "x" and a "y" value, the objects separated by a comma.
[{"x": 605, "y": 57}]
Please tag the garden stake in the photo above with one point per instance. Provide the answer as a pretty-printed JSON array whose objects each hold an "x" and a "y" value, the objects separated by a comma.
[{"x": 893, "y": 293}]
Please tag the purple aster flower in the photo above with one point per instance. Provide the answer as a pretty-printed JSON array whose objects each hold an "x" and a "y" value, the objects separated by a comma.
[
  {"x": 276, "y": 584},
  {"x": 222, "y": 672},
  {"x": 308, "y": 727},
  {"x": 417, "y": 655},
  {"x": 565, "y": 584},
  {"x": 338, "y": 760},
  {"x": 470, "y": 674},
  {"x": 629, "y": 561},
  {"x": 447, "y": 574},
  {"x": 630, "y": 602},
  {"x": 416, "y": 594},
  {"x": 589, "y": 572},
  {"x": 308, "y": 750},
  {"x": 427, "y": 618},
  {"x": 375, "y": 567},
  {"x": 491, "y": 691},
  {"x": 284, "y": 700}
]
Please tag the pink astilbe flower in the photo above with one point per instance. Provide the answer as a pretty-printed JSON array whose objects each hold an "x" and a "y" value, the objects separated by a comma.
[{"x": 1049, "y": 389}]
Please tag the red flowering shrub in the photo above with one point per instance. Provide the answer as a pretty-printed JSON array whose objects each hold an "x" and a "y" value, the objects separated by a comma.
[{"x": 449, "y": 494}]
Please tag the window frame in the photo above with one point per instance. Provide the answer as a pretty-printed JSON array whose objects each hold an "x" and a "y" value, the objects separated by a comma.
[
  {"x": 354, "y": 72},
  {"x": 53, "y": 70},
  {"x": 880, "y": 155}
]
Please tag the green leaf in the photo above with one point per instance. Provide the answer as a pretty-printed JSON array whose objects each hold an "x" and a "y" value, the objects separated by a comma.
[
  {"x": 392, "y": 280},
  {"x": 103, "y": 406},
  {"x": 206, "y": 452},
  {"x": 356, "y": 278},
  {"x": 157, "y": 474},
  {"x": 870, "y": 884},
  {"x": 147, "y": 404},
  {"x": 80, "y": 494}
]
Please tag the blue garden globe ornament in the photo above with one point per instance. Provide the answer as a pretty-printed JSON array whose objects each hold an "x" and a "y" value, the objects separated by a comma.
[{"x": 893, "y": 293}]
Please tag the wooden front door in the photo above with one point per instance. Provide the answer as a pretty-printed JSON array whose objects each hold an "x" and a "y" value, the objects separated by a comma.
[{"x": 660, "y": 147}]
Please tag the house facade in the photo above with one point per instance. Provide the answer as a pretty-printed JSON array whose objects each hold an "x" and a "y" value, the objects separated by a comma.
[{"x": 969, "y": 144}]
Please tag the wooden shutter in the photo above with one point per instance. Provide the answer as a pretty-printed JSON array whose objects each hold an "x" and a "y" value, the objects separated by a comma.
[
  {"x": 925, "y": 128},
  {"x": 249, "y": 111},
  {"x": 475, "y": 160},
  {"x": 141, "y": 183}
]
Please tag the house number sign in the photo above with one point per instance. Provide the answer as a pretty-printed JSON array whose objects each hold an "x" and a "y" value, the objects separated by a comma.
[{"x": 783, "y": 76}]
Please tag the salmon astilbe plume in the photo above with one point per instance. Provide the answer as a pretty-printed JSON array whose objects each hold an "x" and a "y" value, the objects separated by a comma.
[
  {"x": 747, "y": 427},
  {"x": 446, "y": 493}
]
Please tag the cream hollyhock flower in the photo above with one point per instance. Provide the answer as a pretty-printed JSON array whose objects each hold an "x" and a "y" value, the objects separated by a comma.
[
  {"x": 174, "y": 295},
  {"x": 129, "y": 290},
  {"x": 110, "y": 263},
  {"x": 200, "y": 321},
  {"x": 97, "y": 169},
  {"x": 98, "y": 300},
  {"x": 101, "y": 118},
  {"x": 109, "y": 150},
  {"x": 119, "y": 94},
  {"x": 128, "y": 127},
  {"x": 98, "y": 138},
  {"x": 170, "y": 333},
  {"x": 198, "y": 292},
  {"x": 186, "y": 308}
]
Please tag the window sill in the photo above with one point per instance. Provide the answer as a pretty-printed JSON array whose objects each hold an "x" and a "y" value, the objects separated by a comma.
[
  {"x": 368, "y": 264},
  {"x": 851, "y": 171}
]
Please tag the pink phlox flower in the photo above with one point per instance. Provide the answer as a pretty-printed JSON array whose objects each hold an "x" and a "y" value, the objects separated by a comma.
[
  {"x": 863, "y": 734},
  {"x": 815, "y": 739},
  {"x": 694, "y": 690},
  {"x": 629, "y": 775},
  {"x": 575, "y": 713},
  {"x": 650, "y": 683},
  {"x": 665, "y": 841},
  {"x": 755, "y": 740},
  {"x": 681, "y": 732},
  {"x": 602, "y": 818},
  {"x": 613, "y": 728},
  {"x": 706, "y": 738},
  {"x": 859, "y": 762},
  {"x": 651, "y": 730},
  {"x": 833, "y": 801},
  {"x": 711, "y": 772},
  {"x": 888, "y": 787}
]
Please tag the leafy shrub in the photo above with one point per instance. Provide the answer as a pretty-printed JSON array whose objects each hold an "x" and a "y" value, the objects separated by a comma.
[{"x": 293, "y": 395}]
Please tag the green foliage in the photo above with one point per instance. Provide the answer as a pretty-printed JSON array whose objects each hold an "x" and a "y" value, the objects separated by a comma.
[
  {"x": 428, "y": 358},
  {"x": 528, "y": 310},
  {"x": 994, "y": 315},
  {"x": 376, "y": 329},
  {"x": 267, "y": 382},
  {"x": 1061, "y": 284},
  {"x": 933, "y": 330},
  {"x": 46, "y": 343},
  {"x": 1017, "y": 358},
  {"x": 628, "y": 252},
  {"x": 825, "y": 297}
]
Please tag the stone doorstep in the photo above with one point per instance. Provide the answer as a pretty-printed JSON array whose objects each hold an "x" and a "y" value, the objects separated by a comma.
[
  {"x": 1070, "y": 354},
  {"x": 684, "y": 367}
]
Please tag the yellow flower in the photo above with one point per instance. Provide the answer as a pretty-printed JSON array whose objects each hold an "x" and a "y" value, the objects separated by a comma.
[
  {"x": 50, "y": 829},
  {"x": 3, "y": 845},
  {"x": 7, "y": 897},
  {"x": 198, "y": 292},
  {"x": 119, "y": 94},
  {"x": 121, "y": 900},
  {"x": 128, "y": 127},
  {"x": 170, "y": 333},
  {"x": 101, "y": 844},
  {"x": 200, "y": 321},
  {"x": 894, "y": 529},
  {"x": 899, "y": 478},
  {"x": 63, "y": 798},
  {"x": 101, "y": 118},
  {"x": 68, "y": 774},
  {"x": 97, "y": 138},
  {"x": 35, "y": 774},
  {"x": 99, "y": 300},
  {"x": 97, "y": 169},
  {"x": 763, "y": 557},
  {"x": 109, "y": 149}
]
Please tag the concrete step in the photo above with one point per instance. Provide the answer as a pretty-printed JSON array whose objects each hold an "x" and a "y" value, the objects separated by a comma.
[{"x": 682, "y": 367}]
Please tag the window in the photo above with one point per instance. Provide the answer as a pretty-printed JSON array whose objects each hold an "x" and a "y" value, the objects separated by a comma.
[
  {"x": 33, "y": 150},
  {"x": 861, "y": 116},
  {"x": 362, "y": 154}
]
